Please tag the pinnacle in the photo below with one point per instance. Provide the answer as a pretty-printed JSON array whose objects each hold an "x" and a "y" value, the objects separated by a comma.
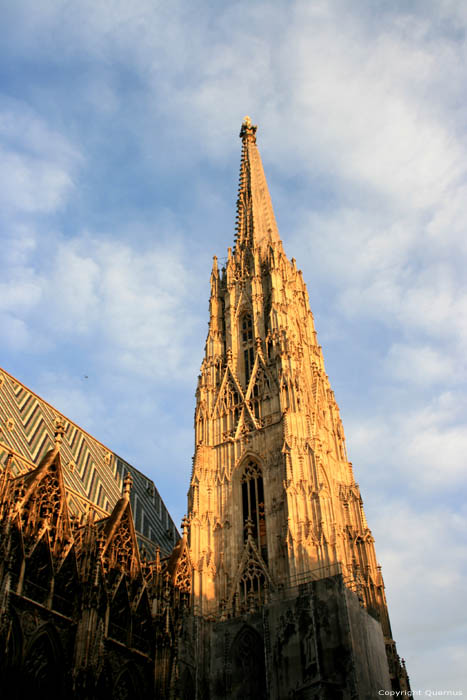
[
  {"x": 248, "y": 131},
  {"x": 127, "y": 484},
  {"x": 256, "y": 224}
]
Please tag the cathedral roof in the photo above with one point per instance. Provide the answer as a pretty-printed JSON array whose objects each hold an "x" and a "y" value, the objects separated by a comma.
[{"x": 92, "y": 473}]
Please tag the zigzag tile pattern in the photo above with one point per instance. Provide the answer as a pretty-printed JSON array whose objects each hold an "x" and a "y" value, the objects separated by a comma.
[{"x": 93, "y": 473}]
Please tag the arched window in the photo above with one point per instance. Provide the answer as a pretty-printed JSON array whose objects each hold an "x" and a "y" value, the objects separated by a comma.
[
  {"x": 42, "y": 674},
  {"x": 11, "y": 658},
  {"x": 38, "y": 573},
  {"x": 128, "y": 685},
  {"x": 248, "y": 345},
  {"x": 141, "y": 626},
  {"x": 104, "y": 687},
  {"x": 120, "y": 615},
  {"x": 251, "y": 590},
  {"x": 247, "y": 328},
  {"x": 187, "y": 686},
  {"x": 253, "y": 506},
  {"x": 260, "y": 394},
  {"x": 66, "y": 592},
  {"x": 248, "y": 678}
]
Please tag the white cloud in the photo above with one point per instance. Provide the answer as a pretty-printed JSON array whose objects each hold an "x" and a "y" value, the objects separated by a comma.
[
  {"x": 22, "y": 295},
  {"x": 145, "y": 306},
  {"x": 438, "y": 456},
  {"x": 423, "y": 555},
  {"x": 15, "y": 332},
  {"x": 137, "y": 303},
  {"x": 421, "y": 364},
  {"x": 362, "y": 107},
  {"x": 420, "y": 448},
  {"x": 71, "y": 287},
  {"x": 19, "y": 242},
  {"x": 37, "y": 162},
  {"x": 73, "y": 395},
  {"x": 31, "y": 184}
]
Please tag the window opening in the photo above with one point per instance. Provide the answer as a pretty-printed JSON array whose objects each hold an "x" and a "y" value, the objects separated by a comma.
[
  {"x": 248, "y": 349},
  {"x": 248, "y": 357},
  {"x": 248, "y": 679},
  {"x": 253, "y": 506},
  {"x": 247, "y": 329}
]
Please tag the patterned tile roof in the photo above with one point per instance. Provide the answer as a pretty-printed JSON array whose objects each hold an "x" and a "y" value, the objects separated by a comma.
[{"x": 93, "y": 473}]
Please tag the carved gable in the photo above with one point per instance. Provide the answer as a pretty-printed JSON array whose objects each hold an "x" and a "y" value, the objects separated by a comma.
[
  {"x": 230, "y": 395},
  {"x": 120, "y": 549},
  {"x": 252, "y": 581},
  {"x": 246, "y": 423},
  {"x": 40, "y": 503},
  {"x": 180, "y": 568}
]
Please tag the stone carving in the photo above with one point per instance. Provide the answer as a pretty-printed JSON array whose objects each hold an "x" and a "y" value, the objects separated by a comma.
[
  {"x": 276, "y": 553},
  {"x": 275, "y": 396},
  {"x": 78, "y": 586}
]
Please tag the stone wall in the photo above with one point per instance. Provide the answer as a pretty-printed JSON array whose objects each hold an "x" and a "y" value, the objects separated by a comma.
[{"x": 315, "y": 641}]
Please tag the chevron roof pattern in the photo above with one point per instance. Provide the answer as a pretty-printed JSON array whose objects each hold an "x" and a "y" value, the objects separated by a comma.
[{"x": 93, "y": 473}]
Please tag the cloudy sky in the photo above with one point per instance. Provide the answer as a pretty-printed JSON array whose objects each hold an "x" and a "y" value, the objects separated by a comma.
[{"x": 119, "y": 157}]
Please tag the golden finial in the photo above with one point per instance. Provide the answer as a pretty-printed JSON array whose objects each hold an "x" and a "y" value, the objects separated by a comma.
[
  {"x": 59, "y": 432},
  {"x": 127, "y": 484},
  {"x": 185, "y": 526},
  {"x": 248, "y": 130}
]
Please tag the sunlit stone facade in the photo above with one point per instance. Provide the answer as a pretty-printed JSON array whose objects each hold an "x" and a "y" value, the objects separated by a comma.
[
  {"x": 272, "y": 592},
  {"x": 273, "y": 503}
]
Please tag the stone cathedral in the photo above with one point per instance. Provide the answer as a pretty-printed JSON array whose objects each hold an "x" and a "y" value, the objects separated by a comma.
[{"x": 273, "y": 591}]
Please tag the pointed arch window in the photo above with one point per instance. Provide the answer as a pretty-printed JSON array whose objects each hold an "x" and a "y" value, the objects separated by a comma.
[
  {"x": 38, "y": 573},
  {"x": 362, "y": 555},
  {"x": 260, "y": 393},
  {"x": 248, "y": 345},
  {"x": 248, "y": 678},
  {"x": 128, "y": 684},
  {"x": 256, "y": 401},
  {"x": 120, "y": 615},
  {"x": 254, "y": 518},
  {"x": 41, "y": 672}
]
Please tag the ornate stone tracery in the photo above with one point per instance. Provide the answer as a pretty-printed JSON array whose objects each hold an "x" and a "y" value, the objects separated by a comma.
[
  {"x": 78, "y": 588},
  {"x": 276, "y": 536},
  {"x": 288, "y": 520},
  {"x": 183, "y": 573},
  {"x": 254, "y": 518}
]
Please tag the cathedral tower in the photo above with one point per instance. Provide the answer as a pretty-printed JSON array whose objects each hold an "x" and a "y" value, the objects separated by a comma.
[{"x": 273, "y": 502}]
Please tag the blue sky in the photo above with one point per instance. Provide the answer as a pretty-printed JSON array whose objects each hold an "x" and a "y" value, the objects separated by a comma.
[{"x": 119, "y": 158}]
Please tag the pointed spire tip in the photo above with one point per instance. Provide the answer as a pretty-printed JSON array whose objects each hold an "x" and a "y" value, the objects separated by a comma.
[{"x": 248, "y": 130}]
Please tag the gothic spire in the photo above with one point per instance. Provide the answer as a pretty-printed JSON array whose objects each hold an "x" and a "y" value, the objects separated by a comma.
[{"x": 256, "y": 223}]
